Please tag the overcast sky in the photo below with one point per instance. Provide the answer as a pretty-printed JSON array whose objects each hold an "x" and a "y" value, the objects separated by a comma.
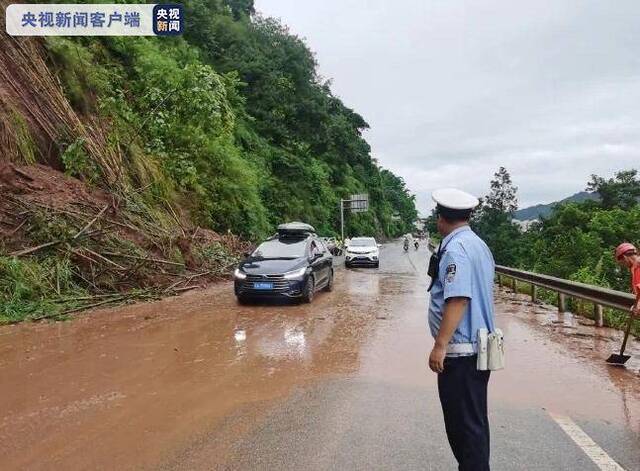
[{"x": 453, "y": 89}]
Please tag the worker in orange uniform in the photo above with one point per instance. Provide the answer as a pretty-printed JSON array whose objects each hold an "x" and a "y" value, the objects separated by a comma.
[{"x": 627, "y": 255}]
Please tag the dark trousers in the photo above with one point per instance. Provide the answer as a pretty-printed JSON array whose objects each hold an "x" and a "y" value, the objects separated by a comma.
[{"x": 463, "y": 395}]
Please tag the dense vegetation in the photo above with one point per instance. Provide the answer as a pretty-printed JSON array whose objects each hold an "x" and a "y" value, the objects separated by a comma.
[
  {"x": 232, "y": 120},
  {"x": 576, "y": 241},
  {"x": 228, "y": 127}
]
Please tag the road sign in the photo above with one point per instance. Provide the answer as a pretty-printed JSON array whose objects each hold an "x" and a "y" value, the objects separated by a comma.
[
  {"x": 359, "y": 203},
  {"x": 356, "y": 204}
]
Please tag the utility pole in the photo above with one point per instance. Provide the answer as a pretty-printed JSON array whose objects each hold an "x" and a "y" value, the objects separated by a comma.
[{"x": 342, "y": 220}]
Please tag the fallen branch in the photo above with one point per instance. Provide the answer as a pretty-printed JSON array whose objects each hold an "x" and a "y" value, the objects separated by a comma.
[
  {"x": 101, "y": 257},
  {"x": 91, "y": 306},
  {"x": 79, "y": 275},
  {"x": 175, "y": 216},
  {"x": 199, "y": 274},
  {"x": 81, "y": 308},
  {"x": 22, "y": 252},
  {"x": 90, "y": 223},
  {"x": 116, "y": 299},
  {"x": 146, "y": 259},
  {"x": 87, "y": 298},
  {"x": 22, "y": 174},
  {"x": 19, "y": 226},
  {"x": 186, "y": 288},
  {"x": 80, "y": 254},
  {"x": 173, "y": 286}
]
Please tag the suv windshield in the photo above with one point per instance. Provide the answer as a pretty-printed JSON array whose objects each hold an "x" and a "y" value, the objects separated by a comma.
[
  {"x": 368, "y": 242},
  {"x": 281, "y": 248}
]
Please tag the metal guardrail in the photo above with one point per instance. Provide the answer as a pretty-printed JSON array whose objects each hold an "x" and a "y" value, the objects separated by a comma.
[
  {"x": 565, "y": 288},
  {"x": 596, "y": 294}
]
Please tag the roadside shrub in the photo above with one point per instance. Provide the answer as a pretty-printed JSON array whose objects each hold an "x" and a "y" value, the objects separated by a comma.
[
  {"x": 77, "y": 163},
  {"x": 28, "y": 288}
]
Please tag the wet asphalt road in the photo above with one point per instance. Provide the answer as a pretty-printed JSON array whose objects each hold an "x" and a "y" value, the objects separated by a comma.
[{"x": 198, "y": 382}]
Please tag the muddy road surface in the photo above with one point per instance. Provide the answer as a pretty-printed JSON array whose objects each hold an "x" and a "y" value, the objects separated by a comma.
[{"x": 198, "y": 382}]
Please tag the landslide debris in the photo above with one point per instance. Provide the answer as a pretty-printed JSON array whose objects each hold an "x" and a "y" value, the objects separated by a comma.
[
  {"x": 107, "y": 237},
  {"x": 65, "y": 246}
]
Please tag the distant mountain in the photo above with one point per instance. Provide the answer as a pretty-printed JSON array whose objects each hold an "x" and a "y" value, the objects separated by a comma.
[{"x": 544, "y": 210}]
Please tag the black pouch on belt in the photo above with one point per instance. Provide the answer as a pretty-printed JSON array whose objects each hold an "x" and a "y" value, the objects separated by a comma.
[{"x": 434, "y": 265}]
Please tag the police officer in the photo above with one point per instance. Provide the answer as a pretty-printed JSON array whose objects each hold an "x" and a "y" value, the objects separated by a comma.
[{"x": 462, "y": 272}]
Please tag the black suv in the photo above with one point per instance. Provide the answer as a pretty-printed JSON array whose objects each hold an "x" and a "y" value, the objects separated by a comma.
[{"x": 294, "y": 263}]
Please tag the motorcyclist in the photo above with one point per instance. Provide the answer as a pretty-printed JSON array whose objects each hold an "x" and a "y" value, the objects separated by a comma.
[
  {"x": 415, "y": 243},
  {"x": 406, "y": 243}
]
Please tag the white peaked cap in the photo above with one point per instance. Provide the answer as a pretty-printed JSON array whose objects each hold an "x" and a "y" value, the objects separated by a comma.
[{"x": 453, "y": 198}]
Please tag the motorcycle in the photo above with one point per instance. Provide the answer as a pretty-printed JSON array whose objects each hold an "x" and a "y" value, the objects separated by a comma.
[
  {"x": 416, "y": 244},
  {"x": 406, "y": 245}
]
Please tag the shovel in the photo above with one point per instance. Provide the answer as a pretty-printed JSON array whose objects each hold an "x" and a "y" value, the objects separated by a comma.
[{"x": 620, "y": 359}]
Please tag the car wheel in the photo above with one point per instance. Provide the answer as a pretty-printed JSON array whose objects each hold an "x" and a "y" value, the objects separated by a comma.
[
  {"x": 329, "y": 286},
  {"x": 243, "y": 300},
  {"x": 377, "y": 265},
  {"x": 309, "y": 290}
]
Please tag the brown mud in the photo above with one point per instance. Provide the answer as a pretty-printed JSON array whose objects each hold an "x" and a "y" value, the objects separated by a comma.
[
  {"x": 560, "y": 357},
  {"x": 175, "y": 383},
  {"x": 124, "y": 387}
]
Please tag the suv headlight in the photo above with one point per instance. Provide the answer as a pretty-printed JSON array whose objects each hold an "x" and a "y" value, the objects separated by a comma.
[
  {"x": 295, "y": 274},
  {"x": 239, "y": 274}
]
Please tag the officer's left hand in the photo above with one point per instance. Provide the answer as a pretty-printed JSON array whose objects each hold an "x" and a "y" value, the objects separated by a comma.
[{"x": 436, "y": 359}]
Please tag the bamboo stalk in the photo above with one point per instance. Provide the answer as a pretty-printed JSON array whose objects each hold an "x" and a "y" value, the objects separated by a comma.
[
  {"x": 111, "y": 262},
  {"x": 172, "y": 286},
  {"x": 77, "y": 309},
  {"x": 18, "y": 228},
  {"x": 90, "y": 223},
  {"x": 187, "y": 288},
  {"x": 20, "y": 253},
  {"x": 147, "y": 259},
  {"x": 87, "y": 298}
]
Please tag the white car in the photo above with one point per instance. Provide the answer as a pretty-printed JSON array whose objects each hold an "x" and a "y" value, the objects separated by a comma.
[{"x": 362, "y": 251}]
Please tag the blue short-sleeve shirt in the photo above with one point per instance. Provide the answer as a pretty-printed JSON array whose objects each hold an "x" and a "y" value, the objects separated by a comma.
[{"x": 466, "y": 270}]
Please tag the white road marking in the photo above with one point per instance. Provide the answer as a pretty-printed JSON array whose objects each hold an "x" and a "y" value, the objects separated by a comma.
[{"x": 586, "y": 444}]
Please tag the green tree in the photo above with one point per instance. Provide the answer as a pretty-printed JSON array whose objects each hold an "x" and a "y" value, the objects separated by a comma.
[
  {"x": 622, "y": 191},
  {"x": 503, "y": 195},
  {"x": 493, "y": 219}
]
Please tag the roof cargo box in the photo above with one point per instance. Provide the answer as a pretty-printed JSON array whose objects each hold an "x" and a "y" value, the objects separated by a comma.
[{"x": 296, "y": 228}]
